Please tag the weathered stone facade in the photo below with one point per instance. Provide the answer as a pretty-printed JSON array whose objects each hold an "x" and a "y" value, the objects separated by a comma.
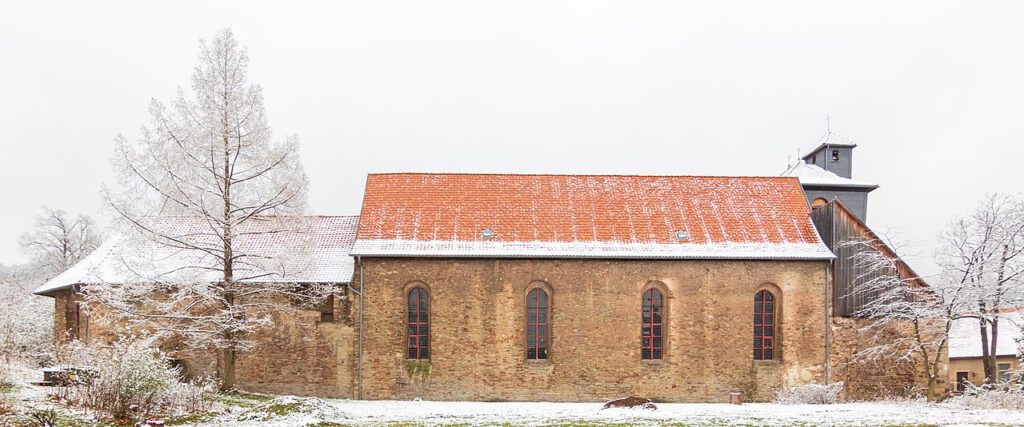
[
  {"x": 882, "y": 377},
  {"x": 301, "y": 354},
  {"x": 477, "y": 333},
  {"x": 478, "y": 315}
]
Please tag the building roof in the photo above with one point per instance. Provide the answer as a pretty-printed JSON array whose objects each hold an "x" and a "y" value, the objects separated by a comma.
[
  {"x": 830, "y": 139},
  {"x": 318, "y": 254},
  {"x": 814, "y": 176},
  {"x": 965, "y": 336},
  {"x": 586, "y": 216}
]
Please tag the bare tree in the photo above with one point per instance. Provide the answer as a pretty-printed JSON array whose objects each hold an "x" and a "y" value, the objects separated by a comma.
[
  {"x": 908, "y": 320},
  {"x": 984, "y": 253},
  {"x": 204, "y": 182},
  {"x": 59, "y": 241}
]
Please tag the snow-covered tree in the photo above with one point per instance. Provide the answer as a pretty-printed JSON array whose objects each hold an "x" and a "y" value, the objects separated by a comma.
[
  {"x": 58, "y": 241},
  {"x": 203, "y": 179},
  {"x": 984, "y": 253},
  {"x": 26, "y": 320},
  {"x": 908, "y": 320}
]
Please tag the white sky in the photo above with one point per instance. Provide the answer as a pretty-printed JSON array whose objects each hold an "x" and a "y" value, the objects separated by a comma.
[{"x": 931, "y": 91}]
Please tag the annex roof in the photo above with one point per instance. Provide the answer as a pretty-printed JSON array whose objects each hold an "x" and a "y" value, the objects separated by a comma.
[
  {"x": 965, "y": 336},
  {"x": 586, "y": 216},
  {"x": 830, "y": 139},
  {"x": 319, "y": 253},
  {"x": 814, "y": 176}
]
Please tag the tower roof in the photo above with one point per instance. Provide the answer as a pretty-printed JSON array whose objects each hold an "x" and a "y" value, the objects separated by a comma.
[
  {"x": 830, "y": 139},
  {"x": 813, "y": 176}
]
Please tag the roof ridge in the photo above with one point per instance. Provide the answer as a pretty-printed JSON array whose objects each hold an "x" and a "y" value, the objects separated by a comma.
[{"x": 573, "y": 175}]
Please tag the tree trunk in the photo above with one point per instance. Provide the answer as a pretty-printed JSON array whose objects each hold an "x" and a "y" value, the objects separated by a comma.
[
  {"x": 987, "y": 363},
  {"x": 932, "y": 392},
  {"x": 992, "y": 350},
  {"x": 227, "y": 380}
]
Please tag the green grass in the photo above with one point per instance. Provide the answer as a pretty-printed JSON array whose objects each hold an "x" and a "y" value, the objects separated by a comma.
[
  {"x": 242, "y": 399},
  {"x": 190, "y": 419}
]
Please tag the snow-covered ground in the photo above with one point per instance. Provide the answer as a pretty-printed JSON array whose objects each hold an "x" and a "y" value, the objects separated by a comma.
[{"x": 350, "y": 412}]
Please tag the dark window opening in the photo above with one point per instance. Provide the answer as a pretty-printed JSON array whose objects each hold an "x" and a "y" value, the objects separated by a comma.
[
  {"x": 537, "y": 315},
  {"x": 327, "y": 309},
  {"x": 961, "y": 381},
  {"x": 764, "y": 326},
  {"x": 418, "y": 334},
  {"x": 652, "y": 325},
  {"x": 835, "y": 155}
]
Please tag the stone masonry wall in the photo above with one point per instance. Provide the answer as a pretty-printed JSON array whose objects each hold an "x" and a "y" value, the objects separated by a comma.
[
  {"x": 478, "y": 339},
  {"x": 298, "y": 355},
  {"x": 881, "y": 377}
]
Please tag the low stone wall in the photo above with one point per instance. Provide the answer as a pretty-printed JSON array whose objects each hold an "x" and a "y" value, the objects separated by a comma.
[{"x": 878, "y": 378}]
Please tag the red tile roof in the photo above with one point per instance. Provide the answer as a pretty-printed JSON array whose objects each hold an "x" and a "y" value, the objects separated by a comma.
[{"x": 417, "y": 214}]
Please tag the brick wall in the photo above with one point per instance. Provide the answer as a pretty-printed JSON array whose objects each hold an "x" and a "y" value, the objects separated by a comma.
[
  {"x": 298, "y": 355},
  {"x": 478, "y": 317},
  {"x": 880, "y": 377}
]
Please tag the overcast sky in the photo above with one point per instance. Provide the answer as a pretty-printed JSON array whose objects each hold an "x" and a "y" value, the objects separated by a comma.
[{"x": 932, "y": 92}]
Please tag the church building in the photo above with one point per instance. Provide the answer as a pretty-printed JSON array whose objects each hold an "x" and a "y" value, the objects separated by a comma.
[{"x": 572, "y": 288}]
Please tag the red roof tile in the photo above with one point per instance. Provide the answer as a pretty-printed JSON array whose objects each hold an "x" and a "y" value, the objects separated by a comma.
[{"x": 560, "y": 212}]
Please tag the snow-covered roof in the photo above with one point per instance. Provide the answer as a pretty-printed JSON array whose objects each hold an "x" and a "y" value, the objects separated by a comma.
[
  {"x": 586, "y": 216},
  {"x": 318, "y": 253},
  {"x": 965, "y": 336},
  {"x": 811, "y": 175},
  {"x": 830, "y": 139}
]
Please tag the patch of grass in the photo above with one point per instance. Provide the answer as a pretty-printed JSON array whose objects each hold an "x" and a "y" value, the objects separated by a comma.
[
  {"x": 283, "y": 409},
  {"x": 7, "y": 388},
  {"x": 190, "y": 419},
  {"x": 242, "y": 399}
]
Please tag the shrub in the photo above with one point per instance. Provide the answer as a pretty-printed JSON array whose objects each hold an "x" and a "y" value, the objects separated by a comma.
[
  {"x": 129, "y": 379},
  {"x": 990, "y": 396},
  {"x": 809, "y": 394}
]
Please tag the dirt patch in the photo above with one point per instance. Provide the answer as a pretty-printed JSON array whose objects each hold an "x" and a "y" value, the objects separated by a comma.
[{"x": 631, "y": 402}]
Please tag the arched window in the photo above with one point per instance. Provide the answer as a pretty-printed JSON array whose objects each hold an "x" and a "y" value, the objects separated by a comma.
[
  {"x": 651, "y": 341},
  {"x": 819, "y": 202},
  {"x": 764, "y": 325},
  {"x": 418, "y": 334},
  {"x": 537, "y": 318}
]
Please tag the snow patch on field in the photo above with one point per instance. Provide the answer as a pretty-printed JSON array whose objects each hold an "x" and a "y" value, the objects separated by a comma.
[{"x": 351, "y": 412}]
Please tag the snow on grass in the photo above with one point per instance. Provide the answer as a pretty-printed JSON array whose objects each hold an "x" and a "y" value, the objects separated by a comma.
[{"x": 406, "y": 413}]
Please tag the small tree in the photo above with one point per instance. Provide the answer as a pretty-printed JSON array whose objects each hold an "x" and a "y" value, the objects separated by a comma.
[
  {"x": 908, "y": 320},
  {"x": 26, "y": 320},
  {"x": 205, "y": 178},
  {"x": 59, "y": 241},
  {"x": 984, "y": 253}
]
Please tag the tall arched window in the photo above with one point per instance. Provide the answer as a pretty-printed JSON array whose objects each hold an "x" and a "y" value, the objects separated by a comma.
[
  {"x": 651, "y": 341},
  {"x": 537, "y": 318},
  {"x": 418, "y": 333},
  {"x": 764, "y": 325}
]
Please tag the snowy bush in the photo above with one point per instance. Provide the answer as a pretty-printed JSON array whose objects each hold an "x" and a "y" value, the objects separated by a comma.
[
  {"x": 812, "y": 394},
  {"x": 26, "y": 320},
  {"x": 130, "y": 379},
  {"x": 990, "y": 396}
]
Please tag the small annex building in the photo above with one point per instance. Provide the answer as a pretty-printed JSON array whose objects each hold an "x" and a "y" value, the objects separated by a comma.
[
  {"x": 965, "y": 356},
  {"x": 307, "y": 355}
]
